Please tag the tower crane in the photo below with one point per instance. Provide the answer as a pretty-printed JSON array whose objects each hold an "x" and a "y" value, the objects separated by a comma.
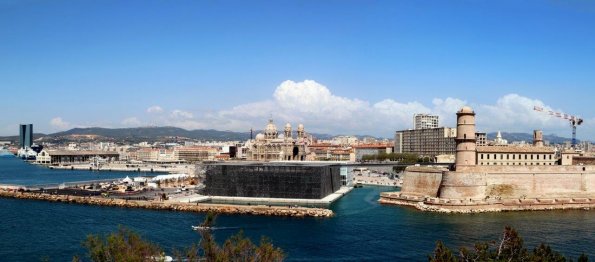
[{"x": 574, "y": 121}]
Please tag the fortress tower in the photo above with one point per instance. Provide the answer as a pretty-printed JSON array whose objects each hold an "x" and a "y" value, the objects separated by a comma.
[
  {"x": 538, "y": 138},
  {"x": 466, "y": 153}
]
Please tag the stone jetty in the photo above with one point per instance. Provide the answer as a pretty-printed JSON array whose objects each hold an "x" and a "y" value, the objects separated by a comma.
[{"x": 174, "y": 206}]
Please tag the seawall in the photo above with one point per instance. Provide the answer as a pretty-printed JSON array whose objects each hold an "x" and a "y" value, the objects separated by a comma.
[
  {"x": 174, "y": 206},
  {"x": 443, "y": 205},
  {"x": 496, "y": 188}
]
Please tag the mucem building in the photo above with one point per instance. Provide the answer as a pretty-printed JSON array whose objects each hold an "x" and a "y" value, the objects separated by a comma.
[{"x": 272, "y": 180}]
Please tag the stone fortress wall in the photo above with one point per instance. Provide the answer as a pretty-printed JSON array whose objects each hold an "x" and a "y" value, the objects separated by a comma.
[
  {"x": 474, "y": 188},
  {"x": 502, "y": 182}
]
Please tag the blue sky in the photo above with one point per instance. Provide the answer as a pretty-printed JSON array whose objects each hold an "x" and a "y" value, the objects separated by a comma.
[{"x": 225, "y": 64}]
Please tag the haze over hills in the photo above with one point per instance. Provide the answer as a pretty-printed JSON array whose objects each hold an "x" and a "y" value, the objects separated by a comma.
[
  {"x": 139, "y": 134},
  {"x": 511, "y": 137}
]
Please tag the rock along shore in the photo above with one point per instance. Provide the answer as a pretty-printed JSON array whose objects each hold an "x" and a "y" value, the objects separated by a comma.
[
  {"x": 174, "y": 206},
  {"x": 481, "y": 206}
]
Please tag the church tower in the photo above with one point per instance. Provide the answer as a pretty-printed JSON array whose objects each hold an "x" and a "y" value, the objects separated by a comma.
[
  {"x": 466, "y": 153},
  {"x": 287, "y": 131}
]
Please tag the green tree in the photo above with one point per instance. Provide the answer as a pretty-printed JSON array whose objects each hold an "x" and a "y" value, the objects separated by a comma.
[
  {"x": 509, "y": 248},
  {"x": 125, "y": 245},
  {"x": 236, "y": 248}
]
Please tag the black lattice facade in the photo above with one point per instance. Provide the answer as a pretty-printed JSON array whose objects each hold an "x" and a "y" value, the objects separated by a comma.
[{"x": 272, "y": 180}]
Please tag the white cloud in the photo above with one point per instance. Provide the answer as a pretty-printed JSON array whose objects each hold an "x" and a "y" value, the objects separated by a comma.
[
  {"x": 131, "y": 121},
  {"x": 315, "y": 106},
  {"x": 59, "y": 123},
  {"x": 179, "y": 114},
  {"x": 514, "y": 113},
  {"x": 154, "y": 109}
]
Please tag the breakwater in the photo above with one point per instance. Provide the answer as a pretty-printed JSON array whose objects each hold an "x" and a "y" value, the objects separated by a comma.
[{"x": 174, "y": 206}]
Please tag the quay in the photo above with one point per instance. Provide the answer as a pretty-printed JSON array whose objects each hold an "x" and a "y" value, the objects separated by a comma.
[
  {"x": 258, "y": 210},
  {"x": 115, "y": 167},
  {"x": 324, "y": 202}
]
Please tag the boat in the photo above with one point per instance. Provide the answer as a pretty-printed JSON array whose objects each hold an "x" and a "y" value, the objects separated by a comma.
[
  {"x": 201, "y": 228},
  {"x": 26, "y": 154}
]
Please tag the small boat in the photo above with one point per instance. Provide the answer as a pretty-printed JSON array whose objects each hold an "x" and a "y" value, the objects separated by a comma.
[{"x": 201, "y": 228}]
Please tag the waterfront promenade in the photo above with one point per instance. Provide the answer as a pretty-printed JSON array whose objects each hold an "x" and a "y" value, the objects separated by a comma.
[{"x": 119, "y": 167}]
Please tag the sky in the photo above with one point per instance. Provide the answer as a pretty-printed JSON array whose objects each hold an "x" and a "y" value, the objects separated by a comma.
[{"x": 338, "y": 67}]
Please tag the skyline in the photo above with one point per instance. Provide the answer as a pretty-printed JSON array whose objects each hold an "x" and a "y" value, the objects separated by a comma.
[{"x": 229, "y": 66}]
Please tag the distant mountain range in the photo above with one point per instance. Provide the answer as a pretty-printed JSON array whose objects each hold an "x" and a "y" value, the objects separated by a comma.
[
  {"x": 168, "y": 133},
  {"x": 139, "y": 134},
  {"x": 155, "y": 132},
  {"x": 511, "y": 137}
]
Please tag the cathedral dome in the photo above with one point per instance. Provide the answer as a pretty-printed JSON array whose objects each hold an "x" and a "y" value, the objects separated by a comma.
[
  {"x": 271, "y": 130},
  {"x": 259, "y": 137}
]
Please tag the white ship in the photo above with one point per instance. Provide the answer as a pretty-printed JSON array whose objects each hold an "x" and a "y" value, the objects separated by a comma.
[{"x": 27, "y": 154}]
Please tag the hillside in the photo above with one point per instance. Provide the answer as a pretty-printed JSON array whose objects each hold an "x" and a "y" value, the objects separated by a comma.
[
  {"x": 153, "y": 134},
  {"x": 139, "y": 134}
]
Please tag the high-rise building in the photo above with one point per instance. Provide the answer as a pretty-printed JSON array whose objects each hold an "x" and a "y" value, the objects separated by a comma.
[
  {"x": 26, "y": 135},
  {"x": 425, "y": 121},
  {"x": 481, "y": 139},
  {"x": 426, "y": 142}
]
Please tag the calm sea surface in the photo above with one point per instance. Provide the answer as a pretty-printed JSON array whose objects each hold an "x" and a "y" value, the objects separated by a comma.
[
  {"x": 361, "y": 230},
  {"x": 15, "y": 171}
]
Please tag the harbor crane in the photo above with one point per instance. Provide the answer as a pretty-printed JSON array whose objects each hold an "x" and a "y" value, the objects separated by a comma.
[{"x": 574, "y": 121}]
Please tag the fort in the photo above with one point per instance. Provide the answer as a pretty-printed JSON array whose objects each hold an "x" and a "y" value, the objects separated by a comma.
[{"x": 486, "y": 179}]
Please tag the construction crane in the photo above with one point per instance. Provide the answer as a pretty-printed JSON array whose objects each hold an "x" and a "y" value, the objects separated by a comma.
[{"x": 574, "y": 121}]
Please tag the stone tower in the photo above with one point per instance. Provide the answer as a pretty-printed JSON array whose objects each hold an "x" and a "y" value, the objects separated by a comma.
[
  {"x": 301, "y": 133},
  {"x": 287, "y": 131},
  {"x": 537, "y": 138},
  {"x": 466, "y": 153}
]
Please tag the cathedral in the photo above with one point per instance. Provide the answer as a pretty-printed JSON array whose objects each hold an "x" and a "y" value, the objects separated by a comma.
[{"x": 272, "y": 146}]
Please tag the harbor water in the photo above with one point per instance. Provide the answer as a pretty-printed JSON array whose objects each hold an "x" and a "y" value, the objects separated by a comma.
[
  {"x": 17, "y": 172},
  {"x": 361, "y": 230}
]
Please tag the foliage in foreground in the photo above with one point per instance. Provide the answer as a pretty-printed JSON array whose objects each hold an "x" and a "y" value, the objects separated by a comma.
[
  {"x": 509, "y": 248},
  {"x": 126, "y": 245}
]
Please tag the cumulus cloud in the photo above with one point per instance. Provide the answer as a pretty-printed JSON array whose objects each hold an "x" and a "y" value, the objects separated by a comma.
[
  {"x": 131, "y": 121},
  {"x": 59, "y": 123},
  {"x": 179, "y": 114},
  {"x": 514, "y": 113},
  {"x": 314, "y": 105},
  {"x": 154, "y": 110}
]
